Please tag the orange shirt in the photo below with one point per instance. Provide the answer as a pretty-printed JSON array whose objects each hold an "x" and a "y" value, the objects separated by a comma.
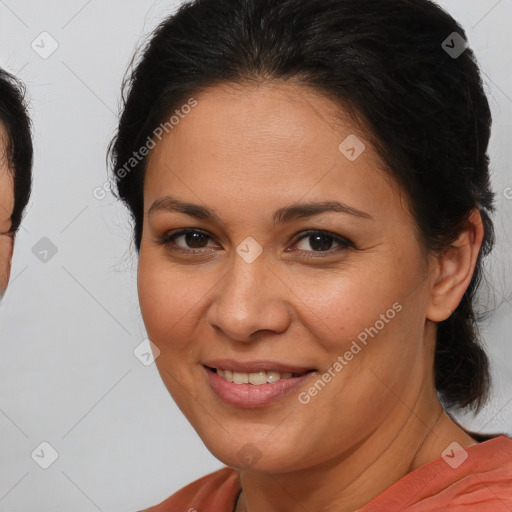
[{"x": 481, "y": 483}]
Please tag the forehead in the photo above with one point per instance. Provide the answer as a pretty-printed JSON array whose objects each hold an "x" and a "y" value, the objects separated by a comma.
[
  {"x": 244, "y": 136},
  {"x": 252, "y": 129},
  {"x": 264, "y": 115},
  {"x": 6, "y": 182},
  {"x": 4, "y": 146},
  {"x": 4, "y": 141}
]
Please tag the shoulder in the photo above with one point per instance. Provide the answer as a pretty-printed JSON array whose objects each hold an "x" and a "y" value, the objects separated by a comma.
[
  {"x": 477, "y": 479},
  {"x": 217, "y": 491}
]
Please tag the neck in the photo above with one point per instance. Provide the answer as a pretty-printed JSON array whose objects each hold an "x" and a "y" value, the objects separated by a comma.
[{"x": 407, "y": 441}]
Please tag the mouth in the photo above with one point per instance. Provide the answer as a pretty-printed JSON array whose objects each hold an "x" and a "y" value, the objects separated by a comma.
[
  {"x": 256, "y": 378},
  {"x": 249, "y": 385}
]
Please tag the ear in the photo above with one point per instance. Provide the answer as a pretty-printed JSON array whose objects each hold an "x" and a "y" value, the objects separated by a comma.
[{"x": 453, "y": 269}]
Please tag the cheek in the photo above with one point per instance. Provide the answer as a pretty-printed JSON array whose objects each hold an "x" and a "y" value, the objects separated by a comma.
[
  {"x": 6, "y": 248},
  {"x": 169, "y": 307},
  {"x": 339, "y": 306},
  {"x": 372, "y": 316},
  {"x": 170, "y": 300},
  {"x": 378, "y": 333}
]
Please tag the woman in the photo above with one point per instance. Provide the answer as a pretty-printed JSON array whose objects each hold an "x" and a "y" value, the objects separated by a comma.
[
  {"x": 15, "y": 167},
  {"x": 309, "y": 185}
]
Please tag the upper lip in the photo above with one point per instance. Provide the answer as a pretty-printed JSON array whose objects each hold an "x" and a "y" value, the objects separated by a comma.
[{"x": 254, "y": 366}]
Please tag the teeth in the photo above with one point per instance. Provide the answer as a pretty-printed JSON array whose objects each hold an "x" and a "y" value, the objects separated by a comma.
[
  {"x": 257, "y": 379},
  {"x": 273, "y": 376},
  {"x": 240, "y": 378}
]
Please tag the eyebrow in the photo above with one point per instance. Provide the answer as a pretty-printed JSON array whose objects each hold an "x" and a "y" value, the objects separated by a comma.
[{"x": 281, "y": 216}]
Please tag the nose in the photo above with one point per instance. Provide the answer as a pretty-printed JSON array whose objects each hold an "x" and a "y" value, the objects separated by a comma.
[{"x": 249, "y": 299}]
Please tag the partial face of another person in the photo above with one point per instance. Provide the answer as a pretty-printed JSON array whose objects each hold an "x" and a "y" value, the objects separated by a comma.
[
  {"x": 266, "y": 251},
  {"x": 6, "y": 209}
]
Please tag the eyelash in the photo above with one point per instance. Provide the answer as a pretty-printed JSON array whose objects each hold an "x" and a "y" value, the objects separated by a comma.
[{"x": 168, "y": 240}]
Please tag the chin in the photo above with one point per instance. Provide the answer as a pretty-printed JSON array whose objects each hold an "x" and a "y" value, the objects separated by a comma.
[{"x": 253, "y": 453}]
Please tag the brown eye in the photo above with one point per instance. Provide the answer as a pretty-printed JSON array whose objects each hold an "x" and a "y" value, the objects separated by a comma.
[
  {"x": 188, "y": 239},
  {"x": 195, "y": 240},
  {"x": 321, "y": 241}
]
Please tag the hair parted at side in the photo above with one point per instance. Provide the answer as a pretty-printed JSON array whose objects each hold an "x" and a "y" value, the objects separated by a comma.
[
  {"x": 425, "y": 112},
  {"x": 19, "y": 151}
]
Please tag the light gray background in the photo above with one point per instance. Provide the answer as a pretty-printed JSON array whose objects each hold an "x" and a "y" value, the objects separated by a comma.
[{"x": 68, "y": 375}]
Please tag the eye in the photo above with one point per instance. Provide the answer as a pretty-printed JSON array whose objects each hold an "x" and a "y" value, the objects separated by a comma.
[
  {"x": 187, "y": 239},
  {"x": 321, "y": 241},
  {"x": 312, "y": 242}
]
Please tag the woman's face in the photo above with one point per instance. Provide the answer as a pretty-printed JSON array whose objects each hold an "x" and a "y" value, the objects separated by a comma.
[
  {"x": 6, "y": 208},
  {"x": 297, "y": 256}
]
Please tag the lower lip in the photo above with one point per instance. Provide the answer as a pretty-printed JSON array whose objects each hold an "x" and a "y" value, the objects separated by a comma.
[{"x": 249, "y": 395}]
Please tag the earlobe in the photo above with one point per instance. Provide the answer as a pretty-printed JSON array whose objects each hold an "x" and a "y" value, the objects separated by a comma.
[{"x": 454, "y": 269}]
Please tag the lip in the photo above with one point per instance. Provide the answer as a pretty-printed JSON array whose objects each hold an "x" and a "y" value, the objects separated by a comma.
[
  {"x": 247, "y": 395},
  {"x": 254, "y": 366}
]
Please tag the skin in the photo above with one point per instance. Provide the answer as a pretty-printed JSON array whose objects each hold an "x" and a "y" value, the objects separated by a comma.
[
  {"x": 6, "y": 209},
  {"x": 245, "y": 152}
]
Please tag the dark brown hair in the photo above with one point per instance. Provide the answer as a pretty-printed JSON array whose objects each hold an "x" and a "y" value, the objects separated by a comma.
[{"x": 19, "y": 151}]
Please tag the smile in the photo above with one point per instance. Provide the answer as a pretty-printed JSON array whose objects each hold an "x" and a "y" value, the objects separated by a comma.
[
  {"x": 256, "y": 379},
  {"x": 251, "y": 385}
]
